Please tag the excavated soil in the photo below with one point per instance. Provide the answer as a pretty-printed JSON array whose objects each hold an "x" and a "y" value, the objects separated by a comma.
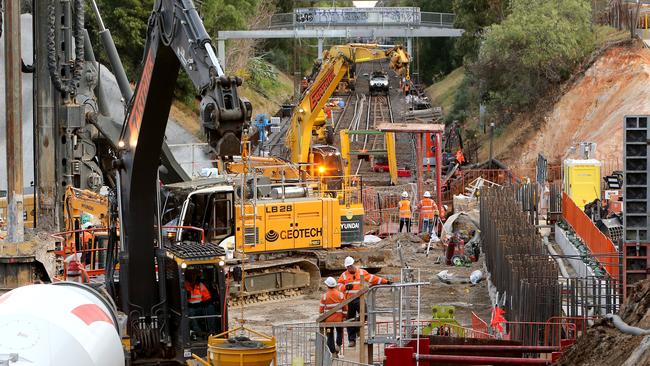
[
  {"x": 591, "y": 109},
  {"x": 603, "y": 344}
]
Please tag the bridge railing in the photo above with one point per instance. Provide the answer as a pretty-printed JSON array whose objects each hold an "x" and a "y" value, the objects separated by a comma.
[{"x": 379, "y": 17}]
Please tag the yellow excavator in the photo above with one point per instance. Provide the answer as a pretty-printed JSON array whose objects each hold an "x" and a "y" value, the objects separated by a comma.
[{"x": 336, "y": 62}]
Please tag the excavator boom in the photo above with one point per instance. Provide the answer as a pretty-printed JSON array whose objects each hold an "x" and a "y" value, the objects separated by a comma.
[{"x": 336, "y": 62}]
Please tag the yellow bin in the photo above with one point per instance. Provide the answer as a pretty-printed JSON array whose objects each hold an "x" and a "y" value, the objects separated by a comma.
[{"x": 220, "y": 355}]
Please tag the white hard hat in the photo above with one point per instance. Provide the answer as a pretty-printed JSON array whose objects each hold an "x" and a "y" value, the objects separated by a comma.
[
  {"x": 405, "y": 194},
  {"x": 330, "y": 282},
  {"x": 445, "y": 207},
  {"x": 427, "y": 194},
  {"x": 348, "y": 261}
]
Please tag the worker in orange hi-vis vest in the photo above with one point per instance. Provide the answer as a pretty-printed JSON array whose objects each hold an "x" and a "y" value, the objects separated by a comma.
[
  {"x": 405, "y": 212},
  {"x": 199, "y": 303},
  {"x": 350, "y": 284},
  {"x": 329, "y": 300},
  {"x": 427, "y": 209}
]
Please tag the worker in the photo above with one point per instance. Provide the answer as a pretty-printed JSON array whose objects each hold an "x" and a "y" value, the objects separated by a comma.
[
  {"x": 405, "y": 212},
  {"x": 199, "y": 304},
  {"x": 304, "y": 83},
  {"x": 330, "y": 299},
  {"x": 349, "y": 285},
  {"x": 328, "y": 113},
  {"x": 460, "y": 157},
  {"x": 427, "y": 208}
]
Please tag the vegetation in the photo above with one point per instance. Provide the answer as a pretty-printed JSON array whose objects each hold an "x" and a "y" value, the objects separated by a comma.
[{"x": 535, "y": 48}]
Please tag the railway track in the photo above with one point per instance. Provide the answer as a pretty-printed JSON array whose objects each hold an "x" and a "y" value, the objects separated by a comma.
[{"x": 379, "y": 111}]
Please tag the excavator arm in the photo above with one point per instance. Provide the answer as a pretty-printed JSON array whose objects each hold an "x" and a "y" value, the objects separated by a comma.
[
  {"x": 176, "y": 37},
  {"x": 336, "y": 62}
]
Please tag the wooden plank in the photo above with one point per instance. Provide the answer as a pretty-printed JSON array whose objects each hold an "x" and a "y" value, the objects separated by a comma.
[{"x": 411, "y": 127}]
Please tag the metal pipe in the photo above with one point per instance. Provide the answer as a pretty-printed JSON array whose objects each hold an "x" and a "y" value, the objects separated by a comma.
[
  {"x": 482, "y": 360},
  {"x": 14, "y": 127},
  {"x": 439, "y": 169},
  {"x": 89, "y": 54},
  {"x": 489, "y": 347},
  {"x": 624, "y": 327},
  {"x": 45, "y": 98},
  {"x": 113, "y": 56}
]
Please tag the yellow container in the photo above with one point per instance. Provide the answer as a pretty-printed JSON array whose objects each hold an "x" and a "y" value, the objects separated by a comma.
[
  {"x": 220, "y": 355},
  {"x": 582, "y": 180}
]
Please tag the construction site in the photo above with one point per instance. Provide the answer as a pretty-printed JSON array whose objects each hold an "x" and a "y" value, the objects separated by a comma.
[{"x": 344, "y": 211}]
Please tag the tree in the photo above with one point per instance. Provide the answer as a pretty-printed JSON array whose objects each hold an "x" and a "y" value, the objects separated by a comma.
[
  {"x": 473, "y": 16},
  {"x": 127, "y": 21},
  {"x": 536, "y": 47}
]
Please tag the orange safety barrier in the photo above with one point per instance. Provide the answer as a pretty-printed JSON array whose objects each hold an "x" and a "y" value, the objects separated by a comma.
[
  {"x": 599, "y": 244},
  {"x": 479, "y": 326}
]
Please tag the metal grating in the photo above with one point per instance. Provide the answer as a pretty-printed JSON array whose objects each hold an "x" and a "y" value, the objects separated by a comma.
[{"x": 635, "y": 200}]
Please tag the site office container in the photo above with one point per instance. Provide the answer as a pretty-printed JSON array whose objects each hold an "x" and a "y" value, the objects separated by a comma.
[{"x": 581, "y": 180}]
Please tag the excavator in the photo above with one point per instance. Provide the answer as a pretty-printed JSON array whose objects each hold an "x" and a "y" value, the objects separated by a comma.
[
  {"x": 150, "y": 286},
  {"x": 336, "y": 62}
]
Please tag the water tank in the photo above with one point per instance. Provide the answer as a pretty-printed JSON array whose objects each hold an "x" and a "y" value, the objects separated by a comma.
[{"x": 59, "y": 324}]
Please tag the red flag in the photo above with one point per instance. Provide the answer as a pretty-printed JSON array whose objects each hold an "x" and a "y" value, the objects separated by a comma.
[{"x": 497, "y": 319}]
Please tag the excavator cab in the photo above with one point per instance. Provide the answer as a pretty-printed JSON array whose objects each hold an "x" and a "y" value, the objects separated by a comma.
[{"x": 195, "y": 279}]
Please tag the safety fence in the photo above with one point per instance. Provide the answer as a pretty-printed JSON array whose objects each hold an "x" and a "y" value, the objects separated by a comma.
[
  {"x": 594, "y": 239},
  {"x": 381, "y": 206},
  {"x": 463, "y": 179},
  {"x": 296, "y": 343}
]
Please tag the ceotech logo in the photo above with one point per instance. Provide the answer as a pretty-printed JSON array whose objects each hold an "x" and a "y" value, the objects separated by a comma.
[{"x": 271, "y": 236}]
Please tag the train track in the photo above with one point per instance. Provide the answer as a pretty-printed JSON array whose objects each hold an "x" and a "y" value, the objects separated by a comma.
[{"x": 379, "y": 111}]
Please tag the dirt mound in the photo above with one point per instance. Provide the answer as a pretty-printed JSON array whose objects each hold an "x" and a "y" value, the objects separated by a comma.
[
  {"x": 409, "y": 245},
  {"x": 591, "y": 109},
  {"x": 603, "y": 344}
]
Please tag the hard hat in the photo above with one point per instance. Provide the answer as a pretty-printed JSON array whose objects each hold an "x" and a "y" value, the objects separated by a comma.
[
  {"x": 87, "y": 226},
  {"x": 330, "y": 282},
  {"x": 445, "y": 207},
  {"x": 427, "y": 194},
  {"x": 405, "y": 194},
  {"x": 348, "y": 261}
]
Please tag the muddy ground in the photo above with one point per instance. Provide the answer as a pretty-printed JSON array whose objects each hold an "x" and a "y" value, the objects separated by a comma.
[
  {"x": 603, "y": 344},
  {"x": 465, "y": 297}
]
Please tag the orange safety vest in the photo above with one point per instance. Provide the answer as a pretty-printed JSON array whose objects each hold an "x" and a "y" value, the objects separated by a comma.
[
  {"x": 347, "y": 278},
  {"x": 428, "y": 208},
  {"x": 405, "y": 209},
  {"x": 197, "y": 293},
  {"x": 460, "y": 157},
  {"x": 329, "y": 300}
]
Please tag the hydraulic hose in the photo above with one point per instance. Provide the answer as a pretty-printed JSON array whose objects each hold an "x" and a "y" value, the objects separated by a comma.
[{"x": 625, "y": 328}]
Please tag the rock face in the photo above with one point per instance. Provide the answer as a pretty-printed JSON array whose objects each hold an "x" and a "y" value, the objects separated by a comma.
[{"x": 603, "y": 344}]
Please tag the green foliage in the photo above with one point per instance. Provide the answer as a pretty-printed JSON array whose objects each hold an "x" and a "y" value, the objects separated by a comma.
[
  {"x": 536, "y": 47},
  {"x": 473, "y": 16},
  {"x": 262, "y": 76},
  {"x": 127, "y": 21},
  {"x": 463, "y": 102}
]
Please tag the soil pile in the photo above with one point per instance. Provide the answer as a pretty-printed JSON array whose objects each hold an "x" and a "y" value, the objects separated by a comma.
[{"x": 603, "y": 344}]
